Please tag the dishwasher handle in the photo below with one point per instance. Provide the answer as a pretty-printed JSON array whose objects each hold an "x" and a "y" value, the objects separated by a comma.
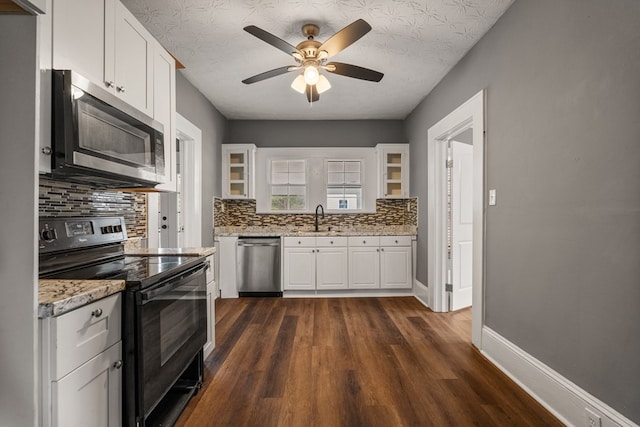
[{"x": 253, "y": 244}]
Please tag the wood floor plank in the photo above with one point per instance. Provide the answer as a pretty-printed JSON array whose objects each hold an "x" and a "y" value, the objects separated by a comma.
[{"x": 352, "y": 362}]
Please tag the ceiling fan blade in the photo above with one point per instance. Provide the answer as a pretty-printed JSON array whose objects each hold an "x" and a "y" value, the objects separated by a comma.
[
  {"x": 268, "y": 74},
  {"x": 345, "y": 37},
  {"x": 274, "y": 41},
  {"x": 354, "y": 71},
  {"x": 312, "y": 93}
]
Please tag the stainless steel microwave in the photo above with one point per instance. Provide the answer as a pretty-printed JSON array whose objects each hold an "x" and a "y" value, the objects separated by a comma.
[{"x": 100, "y": 140}]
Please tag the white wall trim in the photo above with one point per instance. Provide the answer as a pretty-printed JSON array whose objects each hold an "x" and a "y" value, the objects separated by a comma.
[
  {"x": 561, "y": 397},
  {"x": 421, "y": 292}
]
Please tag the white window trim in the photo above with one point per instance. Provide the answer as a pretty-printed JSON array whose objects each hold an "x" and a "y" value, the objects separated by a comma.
[{"x": 362, "y": 184}]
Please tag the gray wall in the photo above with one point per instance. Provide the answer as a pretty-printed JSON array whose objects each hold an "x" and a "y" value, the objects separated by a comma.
[
  {"x": 18, "y": 210},
  {"x": 315, "y": 133},
  {"x": 193, "y": 106},
  {"x": 562, "y": 82}
]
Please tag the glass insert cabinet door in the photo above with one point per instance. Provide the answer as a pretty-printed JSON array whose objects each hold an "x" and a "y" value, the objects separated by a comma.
[
  {"x": 393, "y": 162},
  {"x": 237, "y": 171}
]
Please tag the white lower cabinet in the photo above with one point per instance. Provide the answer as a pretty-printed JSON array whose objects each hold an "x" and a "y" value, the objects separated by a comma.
[
  {"x": 364, "y": 262},
  {"x": 395, "y": 262},
  {"x": 380, "y": 262},
  {"x": 312, "y": 263},
  {"x": 91, "y": 394},
  {"x": 211, "y": 307},
  {"x": 354, "y": 262},
  {"x": 81, "y": 366}
]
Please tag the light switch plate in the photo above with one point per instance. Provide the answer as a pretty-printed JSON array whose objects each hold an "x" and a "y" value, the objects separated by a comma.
[{"x": 492, "y": 197}]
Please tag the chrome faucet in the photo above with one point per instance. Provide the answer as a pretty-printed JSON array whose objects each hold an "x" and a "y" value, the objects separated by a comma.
[{"x": 316, "y": 221}]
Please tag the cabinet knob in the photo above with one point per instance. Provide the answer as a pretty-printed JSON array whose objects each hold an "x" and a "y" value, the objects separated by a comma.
[
  {"x": 377, "y": 250},
  {"x": 97, "y": 312},
  {"x": 332, "y": 242},
  {"x": 120, "y": 89},
  {"x": 364, "y": 242},
  {"x": 109, "y": 83},
  {"x": 299, "y": 242},
  {"x": 381, "y": 249},
  {"x": 396, "y": 241},
  {"x": 46, "y": 151},
  {"x": 118, "y": 364}
]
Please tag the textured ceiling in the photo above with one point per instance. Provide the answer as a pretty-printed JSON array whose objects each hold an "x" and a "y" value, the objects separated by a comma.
[{"x": 413, "y": 42}]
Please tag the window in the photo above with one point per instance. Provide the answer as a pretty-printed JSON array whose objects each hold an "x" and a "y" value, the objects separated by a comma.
[
  {"x": 344, "y": 185},
  {"x": 288, "y": 185}
]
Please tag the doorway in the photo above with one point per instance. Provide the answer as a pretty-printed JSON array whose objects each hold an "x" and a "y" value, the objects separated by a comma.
[
  {"x": 466, "y": 121},
  {"x": 175, "y": 218}
]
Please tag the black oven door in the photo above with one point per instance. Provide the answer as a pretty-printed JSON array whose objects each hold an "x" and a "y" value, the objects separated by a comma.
[{"x": 172, "y": 329}]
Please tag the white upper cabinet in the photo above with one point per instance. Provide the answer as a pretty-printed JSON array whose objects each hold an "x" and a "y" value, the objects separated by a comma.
[
  {"x": 393, "y": 167},
  {"x": 238, "y": 171},
  {"x": 104, "y": 42},
  {"x": 79, "y": 36},
  {"x": 131, "y": 61},
  {"x": 164, "y": 111}
]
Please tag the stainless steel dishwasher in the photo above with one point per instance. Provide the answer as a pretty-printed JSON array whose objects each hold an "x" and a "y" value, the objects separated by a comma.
[{"x": 258, "y": 268}]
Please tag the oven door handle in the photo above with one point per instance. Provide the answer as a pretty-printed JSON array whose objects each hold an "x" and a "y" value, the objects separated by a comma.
[{"x": 170, "y": 284}]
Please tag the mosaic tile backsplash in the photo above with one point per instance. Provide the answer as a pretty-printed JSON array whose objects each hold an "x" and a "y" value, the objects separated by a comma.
[
  {"x": 228, "y": 213},
  {"x": 63, "y": 199}
]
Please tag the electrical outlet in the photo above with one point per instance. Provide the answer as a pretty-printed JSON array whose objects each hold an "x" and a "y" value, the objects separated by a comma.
[{"x": 591, "y": 418}]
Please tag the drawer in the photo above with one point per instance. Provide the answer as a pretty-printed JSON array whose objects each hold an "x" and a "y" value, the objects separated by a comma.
[
  {"x": 395, "y": 240},
  {"x": 300, "y": 242},
  {"x": 210, "y": 268},
  {"x": 356, "y": 241},
  {"x": 327, "y": 242},
  {"x": 84, "y": 333}
]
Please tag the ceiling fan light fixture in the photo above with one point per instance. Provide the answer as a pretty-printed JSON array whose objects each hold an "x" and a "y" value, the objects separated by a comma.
[
  {"x": 299, "y": 85},
  {"x": 323, "y": 84},
  {"x": 311, "y": 74}
]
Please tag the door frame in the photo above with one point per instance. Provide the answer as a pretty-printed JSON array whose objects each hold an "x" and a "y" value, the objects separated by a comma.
[
  {"x": 190, "y": 137},
  {"x": 468, "y": 115}
]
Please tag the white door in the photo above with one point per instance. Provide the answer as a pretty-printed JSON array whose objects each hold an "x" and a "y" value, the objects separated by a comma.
[
  {"x": 461, "y": 224},
  {"x": 364, "y": 268},
  {"x": 395, "y": 267},
  {"x": 331, "y": 268},
  {"x": 300, "y": 269}
]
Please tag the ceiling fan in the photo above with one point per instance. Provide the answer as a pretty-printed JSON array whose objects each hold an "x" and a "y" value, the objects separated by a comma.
[{"x": 311, "y": 56}]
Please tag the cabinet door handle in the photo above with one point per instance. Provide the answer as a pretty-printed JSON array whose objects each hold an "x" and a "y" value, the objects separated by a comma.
[
  {"x": 109, "y": 83},
  {"x": 120, "y": 89},
  {"x": 118, "y": 364},
  {"x": 97, "y": 312}
]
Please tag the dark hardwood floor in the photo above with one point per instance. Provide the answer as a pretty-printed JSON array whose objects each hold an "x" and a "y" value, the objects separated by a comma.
[{"x": 352, "y": 362}]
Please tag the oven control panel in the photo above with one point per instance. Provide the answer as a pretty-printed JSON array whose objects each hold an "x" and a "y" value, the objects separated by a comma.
[{"x": 58, "y": 234}]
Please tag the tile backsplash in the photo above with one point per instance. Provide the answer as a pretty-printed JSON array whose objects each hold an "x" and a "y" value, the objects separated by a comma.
[
  {"x": 64, "y": 199},
  {"x": 233, "y": 212}
]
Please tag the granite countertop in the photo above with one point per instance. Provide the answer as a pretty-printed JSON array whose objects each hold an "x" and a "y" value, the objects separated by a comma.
[
  {"x": 387, "y": 230},
  {"x": 57, "y": 296},
  {"x": 170, "y": 251}
]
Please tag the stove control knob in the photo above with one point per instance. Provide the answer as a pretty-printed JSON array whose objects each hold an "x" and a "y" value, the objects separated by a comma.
[{"x": 48, "y": 234}]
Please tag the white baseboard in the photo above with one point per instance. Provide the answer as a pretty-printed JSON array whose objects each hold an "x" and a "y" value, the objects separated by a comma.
[
  {"x": 561, "y": 397},
  {"x": 422, "y": 292}
]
